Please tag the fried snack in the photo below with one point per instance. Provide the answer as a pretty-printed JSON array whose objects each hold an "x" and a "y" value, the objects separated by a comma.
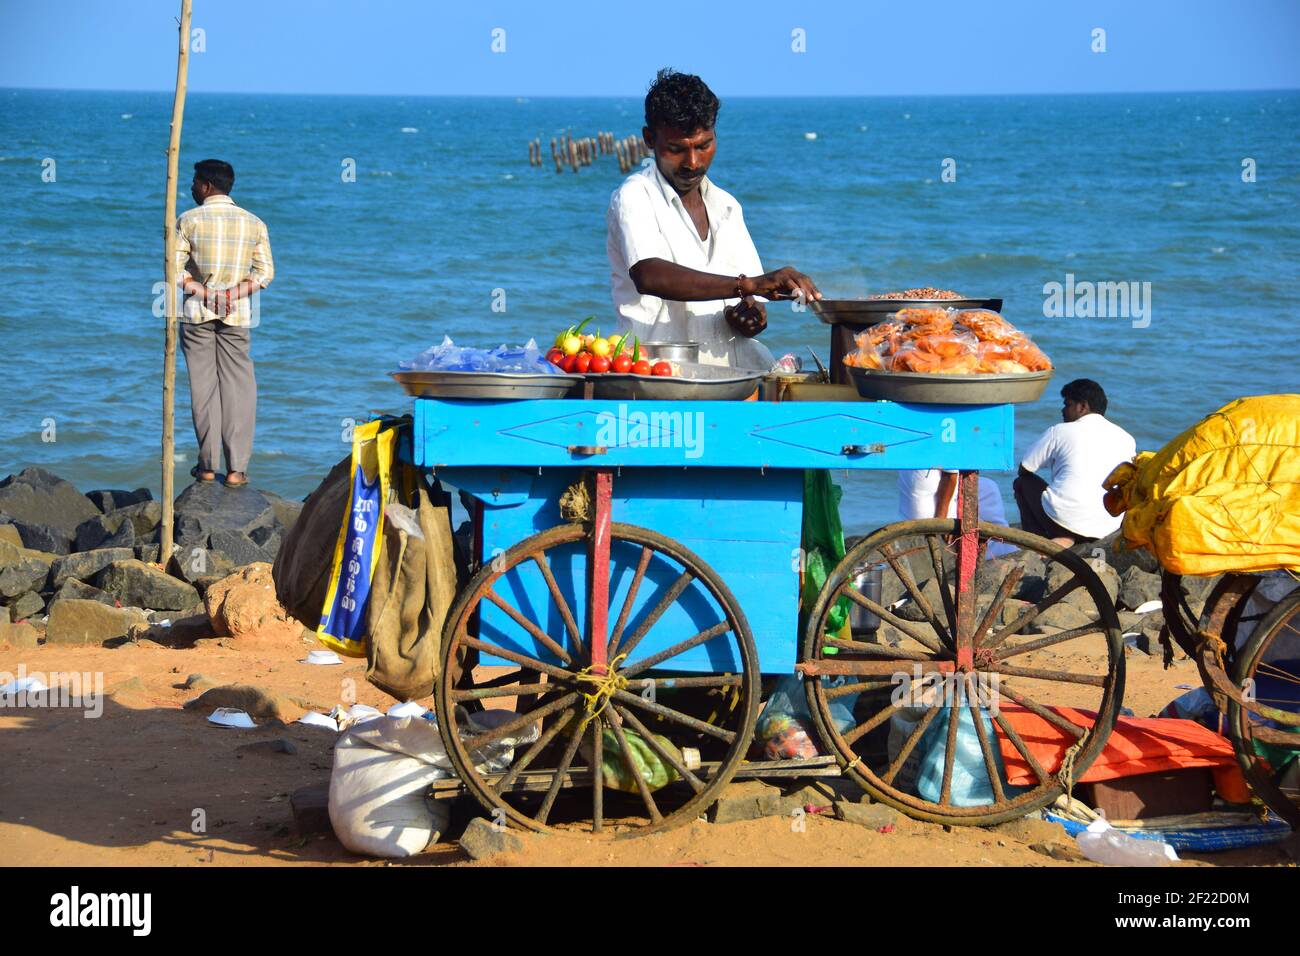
[
  {"x": 864, "y": 358},
  {"x": 915, "y": 360},
  {"x": 939, "y": 317},
  {"x": 946, "y": 345},
  {"x": 1031, "y": 357},
  {"x": 925, "y": 293},
  {"x": 988, "y": 326}
]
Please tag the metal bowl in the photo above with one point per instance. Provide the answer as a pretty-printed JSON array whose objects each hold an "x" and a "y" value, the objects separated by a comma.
[
  {"x": 487, "y": 386},
  {"x": 921, "y": 388},
  {"x": 671, "y": 351},
  {"x": 871, "y": 311},
  {"x": 701, "y": 383}
]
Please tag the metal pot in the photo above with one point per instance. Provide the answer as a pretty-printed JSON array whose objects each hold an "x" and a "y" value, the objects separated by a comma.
[{"x": 671, "y": 351}]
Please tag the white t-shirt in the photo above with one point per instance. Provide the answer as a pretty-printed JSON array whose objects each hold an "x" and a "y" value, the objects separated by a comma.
[
  {"x": 646, "y": 220},
  {"x": 916, "y": 493},
  {"x": 1080, "y": 454}
]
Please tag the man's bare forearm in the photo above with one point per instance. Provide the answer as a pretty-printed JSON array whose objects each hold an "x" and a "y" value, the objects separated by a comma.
[{"x": 668, "y": 280}]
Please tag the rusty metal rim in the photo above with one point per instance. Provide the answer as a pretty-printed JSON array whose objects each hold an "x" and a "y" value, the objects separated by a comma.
[
  {"x": 1239, "y": 725},
  {"x": 984, "y": 814},
  {"x": 472, "y": 594}
]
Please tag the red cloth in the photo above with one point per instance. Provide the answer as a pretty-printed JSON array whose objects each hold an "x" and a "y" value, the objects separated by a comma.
[{"x": 1137, "y": 745}]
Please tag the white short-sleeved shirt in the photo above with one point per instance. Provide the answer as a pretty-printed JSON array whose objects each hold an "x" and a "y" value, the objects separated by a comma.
[
  {"x": 646, "y": 220},
  {"x": 917, "y": 489},
  {"x": 1080, "y": 454}
]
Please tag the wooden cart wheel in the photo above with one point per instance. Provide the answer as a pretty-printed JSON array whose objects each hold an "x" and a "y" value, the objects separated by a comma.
[
  {"x": 1081, "y": 667},
  {"x": 1184, "y": 623},
  {"x": 640, "y": 646},
  {"x": 1270, "y": 662}
]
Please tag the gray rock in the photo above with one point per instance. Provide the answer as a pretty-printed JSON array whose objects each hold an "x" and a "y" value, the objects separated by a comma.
[
  {"x": 746, "y": 800},
  {"x": 110, "y": 499},
  {"x": 1032, "y": 588},
  {"x": 89, "y": 622},
  {"x": 874, "y": 816},
  {"x": 44, "y": 537},
  {"x": 21, "y": 577},
  {"x": 286, "y": 511},
  {"x": 8, "y": 533},
  {"x": 205, "y": 507},
  {"x": 84, "y": 565},
  {"x": 74, "y": 590},
  {"x": 144, "y": 516},
  {"x": 1137, "y": 587},
  {"x": 105, "y": 531},
  {"x": 1058, "y": 574},
  {"x": 1121, "y": 558},
  {"x": 138, "y": 584},
  {"x": 482, "y": 839},
  {"x": 236, "y": 547},
  {"x": 193, "y": 565},
  {"x": 26, "y": 605},
  {"x": 1059, "y": 616},
  {"x": 268, "y": 539},
  {"x": 148, "y": 553},
  {"x": 37, "y": 497}
]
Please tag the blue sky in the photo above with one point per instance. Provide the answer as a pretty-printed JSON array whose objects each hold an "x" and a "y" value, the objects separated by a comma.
[{"x": 869, "y": 47}]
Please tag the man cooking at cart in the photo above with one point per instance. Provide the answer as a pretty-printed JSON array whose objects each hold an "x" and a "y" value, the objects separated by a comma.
[{"x": 682, "y": 264}]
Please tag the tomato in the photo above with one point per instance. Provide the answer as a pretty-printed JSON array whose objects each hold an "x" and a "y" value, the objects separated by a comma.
[
  {"x": 569, "y": 362},
  {"x": 641, "y": 368},
  {"x": 622, "y": 364},
  {"x": 662, "y": 368},
  {"x": 582, "y": 363},
  {"x": 555, "y": 356},
  {"x": 599, "y": 364}
]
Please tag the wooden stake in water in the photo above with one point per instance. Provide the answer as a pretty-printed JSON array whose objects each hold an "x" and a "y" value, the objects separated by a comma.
[{"x": 170, "y": 274}]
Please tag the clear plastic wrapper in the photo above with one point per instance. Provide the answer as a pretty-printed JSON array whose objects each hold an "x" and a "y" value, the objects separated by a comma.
[
  {"x": 527, "y": 359},
  {"x": 948, "y": 342}
]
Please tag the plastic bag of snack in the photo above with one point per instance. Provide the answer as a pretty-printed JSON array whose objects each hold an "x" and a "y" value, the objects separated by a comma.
[{"x": 989, "y": 326}]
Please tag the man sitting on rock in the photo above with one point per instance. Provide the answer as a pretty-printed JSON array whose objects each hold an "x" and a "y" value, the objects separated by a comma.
[{"x": 1081, "y": 452}]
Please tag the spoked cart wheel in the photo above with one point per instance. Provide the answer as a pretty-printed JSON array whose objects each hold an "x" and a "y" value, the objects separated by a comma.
[
  {"x": 592, "y": 685},
  {"x": 1264, "y": 722},
  {"x": 960, "y": 648}
]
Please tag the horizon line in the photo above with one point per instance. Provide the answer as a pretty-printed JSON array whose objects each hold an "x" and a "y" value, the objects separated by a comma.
[{"x": 618, "y": 96}]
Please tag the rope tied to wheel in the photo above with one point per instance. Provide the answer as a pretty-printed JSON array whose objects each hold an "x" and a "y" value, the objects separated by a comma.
[
  {"x": 604, "y": 687},
  {"x": 1065, "y": 775}
]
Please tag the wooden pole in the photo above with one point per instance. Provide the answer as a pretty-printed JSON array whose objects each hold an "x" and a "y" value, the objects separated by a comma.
[{"x": 169, "y": 252}]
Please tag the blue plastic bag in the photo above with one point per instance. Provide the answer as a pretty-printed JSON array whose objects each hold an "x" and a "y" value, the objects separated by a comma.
[{"x": 970, "y": 780}]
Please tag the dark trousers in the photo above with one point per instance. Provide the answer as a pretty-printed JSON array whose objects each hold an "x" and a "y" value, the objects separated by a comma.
[
  {"x": 223, "y": 392},
  {"x": 1029, "y": 499}
]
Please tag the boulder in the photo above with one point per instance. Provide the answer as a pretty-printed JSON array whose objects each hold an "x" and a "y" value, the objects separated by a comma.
[
  {"x": 243, "y": 606},
  {"x": 1059, "y": 617},
  {"x": 746, "y": 800},
  {"x": 1058, "y": 574},
  {"x": 84, "y": 565},
  {"x": 1137, "y": 587},
  {"x": 74, "y": 590},
  {"x": 483, "y": 839},
  {"x": 148, "y": 553},
  {"x": 268, "y": 539},
  {"x": 205, "y": 507},
  {"x": 1120, "y": 557},
  {"x": 141, "y": 585},
  {"x": 9, "y": 534},
  {"x": 89, "y": 622},
  {"x": 237, "y": 548},
  {"x": 26, "y": 605},
  {"x": 105, "y": 531},
  {"x": 873, "y": 816},
  {"x": 110, "y": 499},
  {"x": 44, "y": 537},
  {"x": 196, "y": 564},
  {"x": 37, "y": 497},
  {"x": 145, "y": 517},
  {"x": 18, "y": 579},
  {"x": 286, "y": 511},
  {"x": 20, "y": 636}
]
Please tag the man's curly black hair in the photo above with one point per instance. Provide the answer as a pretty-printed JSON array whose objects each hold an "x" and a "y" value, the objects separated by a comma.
[{"x": 680, "y": 100}]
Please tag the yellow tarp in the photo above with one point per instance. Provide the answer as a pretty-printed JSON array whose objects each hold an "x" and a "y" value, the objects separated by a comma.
[{"x": 1222, "y": 496}]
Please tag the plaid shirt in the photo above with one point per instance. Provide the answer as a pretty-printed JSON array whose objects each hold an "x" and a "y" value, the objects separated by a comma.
[{"x": 220, "y": 245}]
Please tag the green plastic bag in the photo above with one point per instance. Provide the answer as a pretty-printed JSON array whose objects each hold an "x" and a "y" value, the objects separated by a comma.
[
  {"x": 823, "y": 546},
  {"x": 653, "y": 771}
]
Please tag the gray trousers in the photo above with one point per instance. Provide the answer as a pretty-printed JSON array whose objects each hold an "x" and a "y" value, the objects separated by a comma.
[{"x": 223, "y": 392}]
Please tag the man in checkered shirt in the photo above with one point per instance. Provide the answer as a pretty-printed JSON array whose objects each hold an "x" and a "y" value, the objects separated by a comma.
[{"x": 223, "y": 254}]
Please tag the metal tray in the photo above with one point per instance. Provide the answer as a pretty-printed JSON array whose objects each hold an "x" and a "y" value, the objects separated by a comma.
[
  {"x": 871, "y": 311},
  {"x": 922, "y": 388},
  {"x": 487, "y": 386},
  {"x": 704, "y": 383}
]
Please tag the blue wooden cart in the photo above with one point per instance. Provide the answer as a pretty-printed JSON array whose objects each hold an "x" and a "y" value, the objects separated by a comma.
[{"x": 638, "y": 573}]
